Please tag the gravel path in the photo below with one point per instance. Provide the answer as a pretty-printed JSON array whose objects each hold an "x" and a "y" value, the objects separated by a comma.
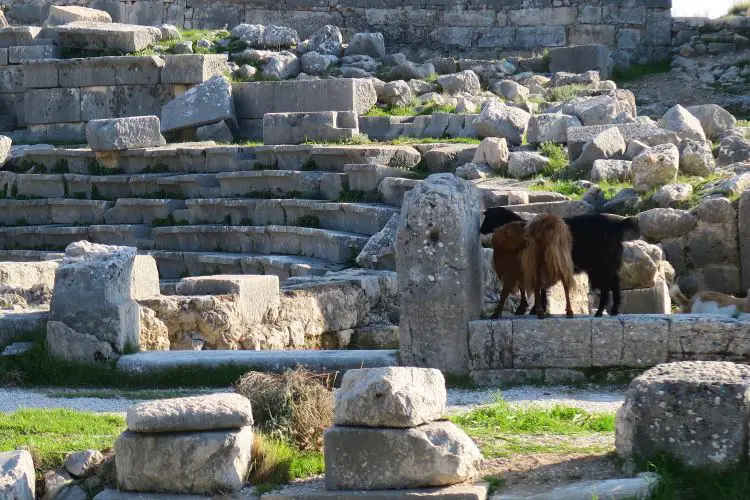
[{"x": 598, "y": 399}]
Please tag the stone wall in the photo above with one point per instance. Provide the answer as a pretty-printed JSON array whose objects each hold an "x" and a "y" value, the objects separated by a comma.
[{"x": 639, "y": 28}]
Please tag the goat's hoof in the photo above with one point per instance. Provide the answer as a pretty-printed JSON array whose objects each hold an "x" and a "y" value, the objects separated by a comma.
[
  {"x": 598, "y": 315},
  {"x": 569, "y": 314},
  {"x": 520, "y": 312}
]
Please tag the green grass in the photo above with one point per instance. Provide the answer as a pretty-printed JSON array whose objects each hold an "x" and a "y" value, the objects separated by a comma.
[
  {"x": 52, "y": 433},
  {"x": 564, "y": 187},
  {"x": 558, "y": 159},
  {"x": 275, "y": 462},
  {"x": 743, "y": 123},
  {"x": 189, "y": 36},
  {"x": 636, "y": 71},
  {"x": 357, "y": 140},
  {"x": 411, "y": 110},
  {"x": 406, "y": 141},
  {"x": 564, "y": 93}
]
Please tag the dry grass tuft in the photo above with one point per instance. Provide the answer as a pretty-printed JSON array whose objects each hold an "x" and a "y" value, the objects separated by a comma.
[{"x": 296, "y": 405}]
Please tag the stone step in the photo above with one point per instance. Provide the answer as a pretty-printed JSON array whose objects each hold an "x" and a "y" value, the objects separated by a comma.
[
  {"x": 283, "y": 183},
  {"x": 275, "y": 361},
  {"x": 334, "y": 246},
  {"x": 52, "y": 211},
  {"x": 14, "y": 326},
  {"x": 56, "y": 238},
  {"x": 561, "y": 208},
  {"x": 29, "y": 255},
  {"x": 176, "y": 265}
]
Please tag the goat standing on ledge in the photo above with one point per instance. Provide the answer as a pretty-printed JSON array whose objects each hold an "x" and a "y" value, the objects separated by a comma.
[{"x": 508, "y": 245}]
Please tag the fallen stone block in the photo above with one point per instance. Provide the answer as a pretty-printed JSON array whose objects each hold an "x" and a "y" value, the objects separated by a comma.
[
  {"x": 192, "y": 68},
  {"x": 379, "y": 252},
  {"x": 126, "y": 38},
  {"x": 124, "y": 133},
  {"x": 17, "y": 475},
  {"x": 434, "y": 454},
  {"x": 390, "y": 397},
  {"x": 303, "y": 491},
  {"x": 64, "y": 14},
  {"x": 629, "y": 488},
  {"x": 21, "y": 54},
  {"x": 197, "y": 413},
  {"x": 18, "y": 35},
  {"x": 218, "y": 132},
  {"x": 320, "y": 126},
  {"x": 218, "y": 461},
  {"x": 209, "y": 102},
  {"x": 581, "y": 58}
]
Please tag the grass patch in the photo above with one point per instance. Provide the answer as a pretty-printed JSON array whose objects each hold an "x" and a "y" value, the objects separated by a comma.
[
  {"x": 567, "y": 188},
  {"x": 275, "y": 462},
  {"x": 50, "y": 434},
  {"x": 558, "y": 160},
  {"x": 357, "y": 196},
  {"x": 132, "y": 395},
  {"x": 564, "y": 93},
  {"x": 308, "y": 221},
  {"x": 407, "y": 141},
  {"x": 636, "y": 71},
  {"x": 412, "y": 109},
  {"x": 679, "y": 481},
  {"x": 356, "y": 140}
]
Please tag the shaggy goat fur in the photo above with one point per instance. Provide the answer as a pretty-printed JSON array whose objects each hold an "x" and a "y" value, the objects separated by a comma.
[
  {"x": 547, "y": 259},
  {"x": 508, "y": 244},
  {"x": 708, "y": 302},
  {"x": 597, "y": 248}
]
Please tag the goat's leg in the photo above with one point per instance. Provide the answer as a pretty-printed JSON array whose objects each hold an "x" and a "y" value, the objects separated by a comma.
[
  {"x": 603, "y": 300},
  {"x": 503, "y": 297},
  {"x": 568, "y": 308},
  {"x": 615, "y": 295},
  {"x": 523, "y": 306},
  {"x": 538, "y": 303},
  {"x": 545, "y": 301}
]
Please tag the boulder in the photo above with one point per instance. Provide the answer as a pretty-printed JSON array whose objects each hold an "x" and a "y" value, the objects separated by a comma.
[
  {"x": 83, "y": 463},
  {"x": 680, "y": 121},
  {"x": 3, "y": 21},
  {"x": 281, "y": 66},
  {"x": 549, "y": 127},
  {"x": 313, "y": 63},
  {"x": 327, "y": 40},
  {"x": 182, "y": 48},
  {"x": 492, "y": 151},
  {"x": 474, "y": 171},
  {"x": 511, "y": 91},
  {"x": 608, "y": 144},
  {"x": 464, "y": 81},
  {"x": 64, "y": 14},
  {"x": 55, "y": 481},
  {"x": 714, "y": 119},
  {"x": 672, "y": 195},
  {"x": 218, "y": 132},
  {"x": 407, "y": 70},
  {"x": 362, "y": 458},
  {"x": 696, "y": 158},
  {"x": 655, "y": 167},
  {"x": 207, "y": 103},
  {"x": 498, "y": 120},
  {"x": 715, "y": 210},
  {"x": 580, "y": 58},
  {"x": 369, "y": 44},
  {"x": 635, "y": 147},
  {"x": 611, "y": 170},
  {"x": 154, "y": 333},
  {"x": 439, "y": 264},
  {"x": 525, "y": 164},
  {"x": 396, "y": 93},
  {"x": 378, "y": 253},
  {"x": 17, "y": 475},
  {"x": 390, "y": 397},
  {"x": 196, "y": 413},
  {"x": 665, "y": 223},
  {"x": 169, "y": 32},
  {"x": 599, "y": 110},
  {"x": 693, "y": 411},
  {"x": 5, "y": 144},
  {"x": 640, "y": 265},
  {"x": 278, "y": 37},
  {"x": 114, "y": 134},
  {"x": 186, "y": 462}
]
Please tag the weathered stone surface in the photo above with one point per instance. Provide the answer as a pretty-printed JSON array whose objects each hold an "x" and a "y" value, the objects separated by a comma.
[
  {"x": 695, "y": 412},
  {"x": 126, "y": 38},
  {"x": 550, "y": 128},
  {"x": 684, "y": 124},
  {"x": 609, "y": 144},
  {"x": 664, "y": 223},
  {"x": 5, "y": 143},
  {"x": 63, "y": 14},
  {"x": 17, "y": 475},
  {"x": 55, "y": 481},
  {"x": 439, "y": 263},
  {"x": 281, "y": 65},
  {"x": 472, "y": 171},
  {"x": 600, "y": 110},
  {"x": 313, "y": 63},
  {"x": 714, "y": 119},
  {"x": 65, "y": 343},
  {"x": 552, "y": 343},
  {"x": 743, "y": 222},
  {"x": 83, "y": 463},
  {"x": 640, "y": 268},
  {"x": 500, "y": 120},
  {"x": 696, "y": 158},
  {"x": 218, "y": 132},
  {"x": 124, "y": 133},
  {"x": 192, "y": 68},
  {"x": 369, "y": 44},
  {"x": 187, "y": 462},
  {"x": 476, "y": 491},
  {"x": 581, "y": 58},
  {"x": 379, "y": 252},
  {"x": 511, "y": 91},
  {"x": 207, "y": 103},
  {"x": 320, "y": 126},
  {"x": 672, "y": 195},
  {"x": 611, "y": 170},
  {"x": 655, "y": 167},
  {"x": 326, "y": 41},
  {"x": 525, "y": 164},
  {"x": 361, "y": 458},
  {"x": 464, "y": 81},
  {"x": 197, "y": 413},
  {"x": 390, "y": 397},
  {"x": 628, "y": 488},
  {"x": 154, "y": 333},
  {"x": 653, "y": 300}
]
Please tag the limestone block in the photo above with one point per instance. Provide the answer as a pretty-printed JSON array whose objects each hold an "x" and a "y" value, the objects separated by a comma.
[
  {"x": 610, "y": 170},
  {"x": 390, "y": 397},
  {"x": 64, "y": 14},
  {"x": 700, "y": 337},
  {"x": 371, "y": 44},
  {"x": 555, "y": 342},
  {"x": 550, "y": 128},
  {"x": 581, "y": 58},
  {"x": 665, "y": 223},
  {"x": 192, "y": 68},
  {"x": 607, "y": 145},
  {"x": 52, "y": 106},
  {"x": 218, "y": 132},
  {"x": 319, "y": 126},
  {"x": 525, "y": 164},
  {"x": 186, "y": 462},
  {"x": 67, "y": 344},
  {"x": 204, "y": 104},
  {"x": 490, "y": 345},
  {"x": 693, "y": 411},
  {"x": 743, "y": 221},
  {"x": 26, "y": 53},
  {"x": 492, "y": 151},
  {"x": 124, "y": 100},
  {"x": 651, "y": 300},
  {"x": 11, "y": 36},
  {"x": 126, "y": 38},
  {"x": 196, "y": 413},
  {"x": 684, "y": 124},
  {"x": 476, "y": 491},
  {"x": 367, "y": 176},
  {"x": 606, "y": 341},
  {"x": 83, "y": 463},
  {"x": 645, "y": 340},
  {"x": 500, "y": 120},
  {"x": 17, "y": 475},
  {"x": 439, "y": 263},
  {"x": 379, "y": 252},
  {"x": 108, "y": 71},
  {"x": 714, "y": 119},
  {"x": 5, "y": 143},
  {"x": 124, "y": 133},
  {"x": 361, "y": 458},
  {"x": 599, "y": 110}
]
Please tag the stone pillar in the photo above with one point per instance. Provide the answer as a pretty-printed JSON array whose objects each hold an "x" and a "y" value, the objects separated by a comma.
[
  {"x": 94, "y": 314},
  {"x": 743, "y": 221},
  {"x": 439, "y": 265}
]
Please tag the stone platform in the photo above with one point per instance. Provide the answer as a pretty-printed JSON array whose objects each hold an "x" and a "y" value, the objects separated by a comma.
[{"x": 315, "y": 491}]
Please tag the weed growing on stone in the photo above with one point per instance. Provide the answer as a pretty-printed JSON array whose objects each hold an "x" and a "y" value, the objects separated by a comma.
[
  {"x": 558, "y": 160},
  {"x": 564, "y": 93},
  {"x": 679, "y": 481},
  {"x": 355, "y": 196},
  {"x": 406, "y": 141},
  {"x": 636, "y": 71},
  {"x": 275, "y": 462},
  {"x": 308, "y": 221}
]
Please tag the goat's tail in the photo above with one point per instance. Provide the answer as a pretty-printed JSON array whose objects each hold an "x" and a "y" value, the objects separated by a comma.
[
  {"x": 678, "y": 297},
  {"x": 548, "y": 256}
]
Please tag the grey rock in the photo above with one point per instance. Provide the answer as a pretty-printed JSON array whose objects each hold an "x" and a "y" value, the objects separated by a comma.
[
  {"x": 607, "y": 145},
  {"x": 3, "y": 21},
  {"x": 685, "y": 125},
  {"x": 672, "y": 195},
  {"x": 54, "y": 482},
  {"x": 64, "y": 14},
  {"x": 715, "y": 210},
  {"x": 314, "y": 63},
  {"x": 278, "y": 37},
  {"x": 106, "y": 36},
  {"x": 665, "y": 223},
  {"x": 326, "y": 41},
  {"x": 623, "y": 202},
  {"x": 420, "y": 87},
  {"x": 72, "y": 492},
  {"x": 67, "y": 344},
  {"x": 580, "y": 58},
  {"x": 183, "y": 48},
  {"x": 674, "y": 409},
  {"x": 408, "y": 70},
  {"x": 219, "y": 132},
  {"x": 17, "y": 475},
  {"x": 169, "y": 32},
  {"x": 399, "y": 397},
  {"x": 714, "y": 119},
  {"x": 186, "y": 462},
  {"x": 83, "y": 463},
  {"x": 629, "y": 488},
  {"x": 474, "y": 171},
  {"x": 492, "y": 151},
  {"x": 434, "y": 454},
  {"x": 655, "y": 167},
  {"x": 635, "y": 147},
  {"x": 550, "y": 128},
  {"x": 465, "y": 81},
  {"x": 353, "y": 72},
  {"x": 124, "y": 133},
  {"x": 511, "y": 91},
  {"x": 498, "y": 120},
  {"x": 369, "y": 44},
  {"x": 600, "y": 110},
  {"x": 204, "y": 104},
  {"x": 696, "y": 158},
  {"x": 204, "y": 44},
  {"x": 5, "y": 145},
  {"x": 247, "y": 72},
  {"x": 363, "y": 62},
  {"x": 525, "y": 164},
  {"x": 379, "y": 252},
  {"x": 640, "y": 264},
  {"x": 396, "y": 93},
  {"x": 197, "y": 413},
  {"x": 282, "y": 66},
  {"x": 611, "y": 170}
]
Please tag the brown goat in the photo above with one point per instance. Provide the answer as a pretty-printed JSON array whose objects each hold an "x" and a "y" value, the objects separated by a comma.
[
  {"x": 508, "y": 245},
  {"x": 548, "y": 259}
]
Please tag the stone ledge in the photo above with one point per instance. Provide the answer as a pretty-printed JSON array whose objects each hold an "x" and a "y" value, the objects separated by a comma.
[{"x": 315, "y": 491}]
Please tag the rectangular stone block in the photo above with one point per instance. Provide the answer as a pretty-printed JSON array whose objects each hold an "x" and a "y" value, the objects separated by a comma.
[
  {"x": 192, "y": 68},
  {"x": 458, "y": 492},
  {"x": 3, "y": 57},
  {"x": 708, "y": 338},
  {"x": 18, "y": 35},
  {"x": 101, "y": 71},
  {"x": 151, "y": 461},
  {"x": 543, "y": 16},
  {"x": 507, "y": 376},
  {"x": 52, "y": 106},
  {"x": 41, "y": 74},
  {"x": 581, "y": 58},
  {"x": 490, "y": 345},
  {"x": 63, "y": 14},
  {"x": 21, "y": 54},
  {"x": 554, "y": 342},
  {"x": 124, "y": 133},
  {"x": 319, "y": 126},
  {"x": 606, "y": 342},
  {"x": 253, "y": 100},
  {"x": 654, "y": 300},
  {"x": 645, "y": 340},
  {"x": 125, "y": 38},
  {"x": 647, "y": 133},
  {"x": 124, "y": 100},
  {"x": 73, "y": 132},
  {"x": 743, "y": 221},
  {"x": 11, "y": 79}
]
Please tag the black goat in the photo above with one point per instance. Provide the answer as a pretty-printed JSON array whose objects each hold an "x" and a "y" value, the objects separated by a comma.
[{"x": 597, "y": 248}]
